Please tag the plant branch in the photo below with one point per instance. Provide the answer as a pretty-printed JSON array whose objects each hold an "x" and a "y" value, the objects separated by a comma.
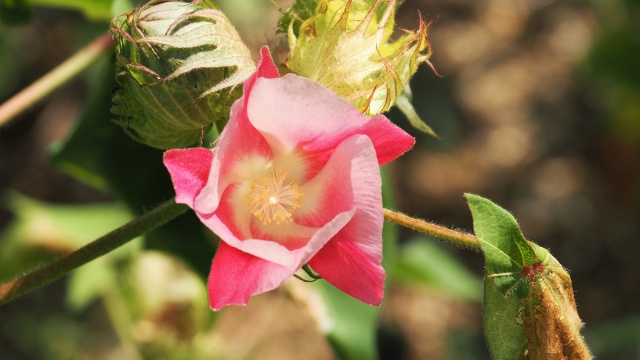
[
  {"x": 107, "y": 243},
  {"x": 456, "y": 237},
  {"x": 55, "y": 78}
]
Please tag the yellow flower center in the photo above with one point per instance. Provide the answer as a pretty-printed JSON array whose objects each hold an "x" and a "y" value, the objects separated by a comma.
[{"x": 270, "y": 199}]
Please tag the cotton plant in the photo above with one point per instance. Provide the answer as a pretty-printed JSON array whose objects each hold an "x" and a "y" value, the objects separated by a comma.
[{"x": 285, "y": 170}]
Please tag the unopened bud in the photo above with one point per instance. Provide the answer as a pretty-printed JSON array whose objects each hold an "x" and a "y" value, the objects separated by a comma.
[
  {"x": 346, "y": 47},
  {"x": 179, "y": 66}
]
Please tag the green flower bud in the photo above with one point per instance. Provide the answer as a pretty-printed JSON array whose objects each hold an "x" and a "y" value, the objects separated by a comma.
[
  {"x": 179, "y": 65},
  {"x": 346, "y": 47}
]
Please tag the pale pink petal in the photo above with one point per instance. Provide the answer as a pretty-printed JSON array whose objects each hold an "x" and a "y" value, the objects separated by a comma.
[
  {"x": 351, "y": 261},
  {"x": 189, "y": 169},
  {"x": 236, "y": 220},
  {"x": 322, "y": 236},
  {"x": 231, "y": 223},
  {"x": 317, "y": 120},
  {"x": 230, "y": 228},
  {"x": 235, "y": 276},
  {"x": 239, "y": 140},
  {"x": 292, "y": 236},
  {"x": 349, "y": 180}
]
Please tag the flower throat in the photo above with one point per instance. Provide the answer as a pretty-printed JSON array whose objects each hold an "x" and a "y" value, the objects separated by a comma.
[{"x": 271, "y": 200}]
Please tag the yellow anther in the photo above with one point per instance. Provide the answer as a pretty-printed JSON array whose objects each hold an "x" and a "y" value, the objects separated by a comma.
[{"x": 270, "y": 199}]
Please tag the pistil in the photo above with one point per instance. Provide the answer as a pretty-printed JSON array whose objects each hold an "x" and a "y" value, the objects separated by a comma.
[{"x": 271, "y": 200}]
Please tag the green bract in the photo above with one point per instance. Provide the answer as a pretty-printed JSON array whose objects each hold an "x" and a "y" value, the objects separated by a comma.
[
  {"x": 345, "y": 46},
  {"x": 179, "y": 67}
]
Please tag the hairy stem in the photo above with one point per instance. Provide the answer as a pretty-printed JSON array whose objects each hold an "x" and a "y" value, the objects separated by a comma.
[
  {"x": 55, "y": 78},
  {"x": 107, "y": 243},
  {"x": 456, "y": 237}
]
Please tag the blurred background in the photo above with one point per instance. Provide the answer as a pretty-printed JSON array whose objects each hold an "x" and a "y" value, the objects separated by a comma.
[{"x": 538, "y": 110}]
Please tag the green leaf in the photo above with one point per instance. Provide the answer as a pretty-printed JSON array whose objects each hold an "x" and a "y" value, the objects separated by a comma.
[
  {"x": 353, "y": 323},
  {"x": 15, "y": 12},
  {"x": 503, "y": 324},
  {"x": 544, "y": 293},
  {"x": 505, "y": 249},
  {"x": 406, "y": 107},
  {"x": 98, "y": 153},
  {"x": 425, "y": 263},
  {"x": 300, "y": 10},
  {"x": 96, "y": 10}
]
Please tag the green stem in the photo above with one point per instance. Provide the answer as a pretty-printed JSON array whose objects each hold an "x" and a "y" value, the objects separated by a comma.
[
  {"x": 456, "y": 237},
  {"x": 307, "y": 269},
  {"x": 55, "y": 78},
  {"x": 109, "y": 242}
]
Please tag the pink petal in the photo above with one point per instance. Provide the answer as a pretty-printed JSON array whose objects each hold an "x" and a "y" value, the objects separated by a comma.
[
  {"x": 238, "y": 140},
  {"x": 351, "y": 261},
  {"x": 235, "y": 276},
  {"x": 222, "y": 223},
  {"x": 266, "y": 69},
  {"x": 350, "y": 268},
  {"x": 349, "y": 180},
  {"x": 189, "y": 169},
  {"x": 293, "y": 111}
]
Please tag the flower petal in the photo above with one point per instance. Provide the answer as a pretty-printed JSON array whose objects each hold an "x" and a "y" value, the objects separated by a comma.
[
  {"x": 266, "y": 69},
  {"x": 235, "y": 276},
  {"x": 348, "y": 267},
  {"x": 227, "y": 225},
  {"x": 293, "y": 111},
  {"x": 189, "y": 169},
  {"x": 349, "y": 180},
  {"x": 351, "y": 261},
  {"x": 238, "y": 141}
]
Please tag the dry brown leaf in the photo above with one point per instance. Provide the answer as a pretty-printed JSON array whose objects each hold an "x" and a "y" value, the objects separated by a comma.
[{"x": 551, "y": 321}]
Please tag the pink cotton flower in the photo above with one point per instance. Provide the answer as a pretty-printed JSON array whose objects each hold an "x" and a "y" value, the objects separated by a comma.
[{"x": 294, "y": 179}]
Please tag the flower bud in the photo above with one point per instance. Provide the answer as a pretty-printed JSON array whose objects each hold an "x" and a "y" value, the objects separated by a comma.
[
  {"x": 179, "y": 67},
  {"x": 345, "y": 46}
]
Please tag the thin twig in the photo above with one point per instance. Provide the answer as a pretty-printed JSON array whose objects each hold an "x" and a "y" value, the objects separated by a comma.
[{"x": 54, "y": 79}]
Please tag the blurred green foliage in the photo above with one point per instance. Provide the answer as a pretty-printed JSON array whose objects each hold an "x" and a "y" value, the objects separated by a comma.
[
  {"x": 424, "y": 263},
  {"x": 15, "y": 12},
  {"x": 98, "y": 153},
  {"x": 40, "y": 230},
  {"x": 613, "y": 64}
]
